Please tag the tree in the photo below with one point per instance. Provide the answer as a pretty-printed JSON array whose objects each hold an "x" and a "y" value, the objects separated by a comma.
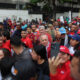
[
  {"x": 48, "y": 8},
  {"x": 35, "y": 1}
]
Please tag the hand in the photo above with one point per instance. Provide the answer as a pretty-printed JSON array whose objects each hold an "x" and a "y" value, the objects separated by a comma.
[{"x": 54, "y": 63}]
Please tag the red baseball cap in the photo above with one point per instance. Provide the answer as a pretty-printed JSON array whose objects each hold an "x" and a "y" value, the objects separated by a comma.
[
  {"x": 72, "y": 33},
  {"x": 78, "y": 31},
  {"x": 64, "y": 49},
  {"x": 78, "y": 18}
]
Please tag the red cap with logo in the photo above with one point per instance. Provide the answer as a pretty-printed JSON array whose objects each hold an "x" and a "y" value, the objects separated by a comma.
[{"x": 64, "y": 49}]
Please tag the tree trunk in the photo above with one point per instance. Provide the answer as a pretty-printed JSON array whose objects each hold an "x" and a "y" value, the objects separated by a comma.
[{"x": 54, "y": 9}]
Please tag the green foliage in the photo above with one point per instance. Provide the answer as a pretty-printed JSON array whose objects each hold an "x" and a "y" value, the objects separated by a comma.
[
  {"x": 47, "y": 8},
  {"x": 36, "y": 1}
]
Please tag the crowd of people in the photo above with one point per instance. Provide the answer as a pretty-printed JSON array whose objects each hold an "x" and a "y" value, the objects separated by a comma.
[{"x": 40, "y": 50}]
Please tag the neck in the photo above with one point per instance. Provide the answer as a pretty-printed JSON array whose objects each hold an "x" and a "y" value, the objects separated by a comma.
[
  {"x": 29, "y": 32},
  {"x": 19, "y": 50},
  {"x": 72, "y": 45},
  {"x": 23, "y": 37},
  {"x": 41, "y": 61}
]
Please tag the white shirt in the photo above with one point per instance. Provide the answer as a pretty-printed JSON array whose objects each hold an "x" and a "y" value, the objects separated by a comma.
[{"x": 71, "y": 49}]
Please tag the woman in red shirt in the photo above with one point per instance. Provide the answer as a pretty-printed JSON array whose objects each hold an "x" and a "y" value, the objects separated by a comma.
[{"x": 59, "y": 66}]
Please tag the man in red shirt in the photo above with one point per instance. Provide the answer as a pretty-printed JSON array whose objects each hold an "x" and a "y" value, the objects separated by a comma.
[
  {"x": 6, "y": 38},
  {"x": 30, "y": 34},
  {"x": 59, "y": 66},
  {"x": 26, "y": 40},
  {"x": 2, "y": 44},
  {"x": 72, "y": 31}
]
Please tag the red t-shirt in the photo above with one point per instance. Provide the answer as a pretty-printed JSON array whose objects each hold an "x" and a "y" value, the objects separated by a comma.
[
  {"x": 27, "y": 41},
  {"x": 63, "y": 73},
  {"x": 31, "y": 36},
  {"x": 7, "y": 45}
]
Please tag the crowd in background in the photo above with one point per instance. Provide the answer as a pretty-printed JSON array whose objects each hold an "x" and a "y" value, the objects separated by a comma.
[{"x": 39, "y": 50}]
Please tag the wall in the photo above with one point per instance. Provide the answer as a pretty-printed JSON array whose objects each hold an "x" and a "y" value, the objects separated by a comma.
[
  {"x": 13, "y": 1},
  {"x": 18, "y": 14},
  {"x": 66, "y": 14}
]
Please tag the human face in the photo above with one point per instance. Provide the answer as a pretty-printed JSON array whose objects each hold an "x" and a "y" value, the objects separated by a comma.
[
  {"x": 28, "y": 30},
  {"x": 70, "y": 24},
  {"x": 67, "y": 31},
  {"x": 58, "y": 35},
  {"x": 57, "y": 29},
  {"x": 18, "y": 26},
  {"x": 41, "y": 31},
  {"x": 33, "y": 27},
  {"x": 73, "y": 42},
  {"x": 75, "y": 68},
  {"x": 62, "y": 36},
  {"x": 51, "y": 27},
  {"x": 64, "y": 57},
  {"x": 73, "y": 27},
  {"x": 4, "y": 38},
  {"x": 56, "y": 23},
  {"x": 1, "y": 54},
  {"x": 44, "y": 40},
  {"x": 34, "y": 55},
  {"x": 23, "y": 34},
  {"x": 1, "y": 41},
  {"x": 1, "y": 27}
]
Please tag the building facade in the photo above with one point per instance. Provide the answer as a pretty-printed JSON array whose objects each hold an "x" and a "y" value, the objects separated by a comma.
[{"x": 12, "y": 4}]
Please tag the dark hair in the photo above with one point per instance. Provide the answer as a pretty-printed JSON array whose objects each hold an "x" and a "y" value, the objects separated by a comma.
[
  {"x": 77, "y": 54},
  {"x": 6, "y": 52},
  {"x": 77, "y": 46},
  {"x": 16, "y": 41},
  {"x": 23, "y": 30},
  {"x": 6, "y": 34},
  {"x": 1, "y": 24},
  {"x": 41, "y": 51},
  {"x": 28, "y": 27},
  {"x": 26, "y": 70},
  {"x": 0, "y": 34},
  {"x": 6, "y": 63},
  {"x": 35, "y": 25}
]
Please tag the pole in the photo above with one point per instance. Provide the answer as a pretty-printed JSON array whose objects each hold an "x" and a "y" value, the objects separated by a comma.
[{"x": 18, "y": 5}]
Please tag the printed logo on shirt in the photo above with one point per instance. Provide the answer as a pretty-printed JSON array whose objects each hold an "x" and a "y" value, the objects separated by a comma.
[
  {"x": 62, "y": 72},
  {"x": 25, "y": 42},
  {"x": 14, "y": 71}
]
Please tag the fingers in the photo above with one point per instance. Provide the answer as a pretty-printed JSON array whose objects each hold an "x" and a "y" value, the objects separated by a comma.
[
  {"x": 53, "y": 59},
  {"x": 59, "y": 62},
  {"x": 56, "y": 60}
]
